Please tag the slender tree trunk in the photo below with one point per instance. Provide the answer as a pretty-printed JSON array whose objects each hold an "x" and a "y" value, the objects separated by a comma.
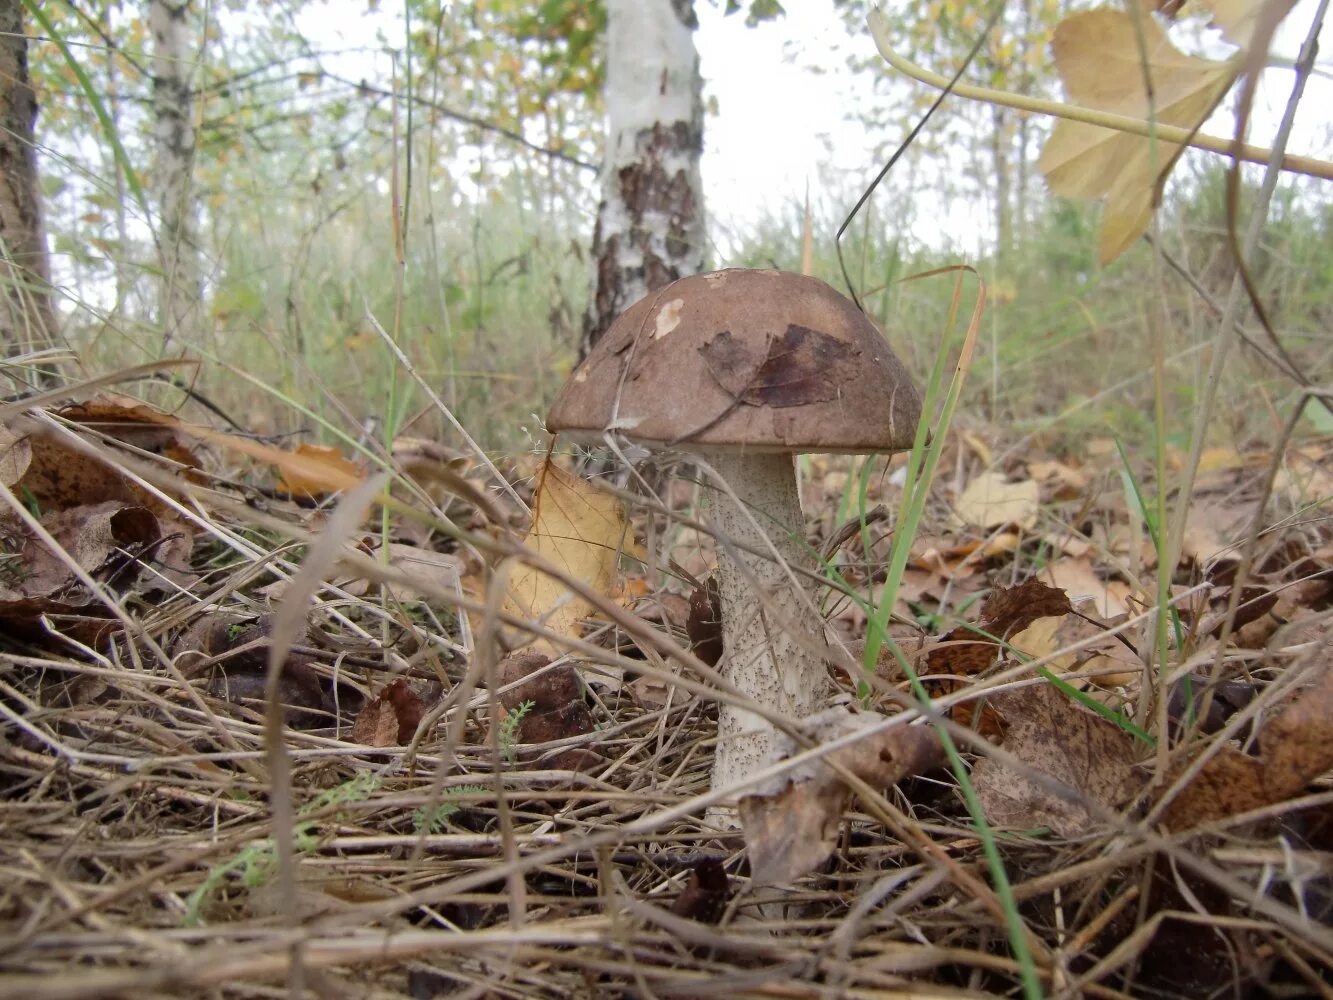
[
  {"x": 1022, "y": 180},
  {"x": 124, "y": 270},
  {"x": 173, "y": 135},
  {"x": 1001, "y": 155},
  {"x": 1023, "y": 153},
  {"x": 650, "y": 223},
  {"x": 27, "y": 313}
]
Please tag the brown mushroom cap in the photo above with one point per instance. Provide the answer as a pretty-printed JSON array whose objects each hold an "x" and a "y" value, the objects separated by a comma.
[{"x": 743, "y": 359}]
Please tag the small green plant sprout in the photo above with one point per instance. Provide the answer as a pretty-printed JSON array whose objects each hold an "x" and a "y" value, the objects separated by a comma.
[
  {"x": 435, "y": 820},
  {"x": 508, "y": 733},
  {"x": 254, "y": 864}
]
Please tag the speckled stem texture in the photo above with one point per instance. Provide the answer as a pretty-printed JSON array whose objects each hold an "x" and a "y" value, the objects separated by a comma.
[{"x": 771, "y": 632}]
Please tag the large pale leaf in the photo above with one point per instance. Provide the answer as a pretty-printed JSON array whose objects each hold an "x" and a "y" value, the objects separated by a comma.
[
  {"x": 990, "y": 501},
  {"x": 1103, "y": 66},
  {"x": 581, "y": 531}
]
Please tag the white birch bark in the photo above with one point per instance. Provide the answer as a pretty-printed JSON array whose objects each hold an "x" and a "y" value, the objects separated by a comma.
[
  {"x": 650, "y": 223},
  {"x": 169, "y": 23}
]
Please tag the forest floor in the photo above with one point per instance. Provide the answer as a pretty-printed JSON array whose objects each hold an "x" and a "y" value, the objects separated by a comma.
[{"x": 414, "y": 806}]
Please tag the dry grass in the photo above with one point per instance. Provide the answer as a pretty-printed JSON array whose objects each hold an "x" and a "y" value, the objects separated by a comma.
[{"x": 138, "y": 813}]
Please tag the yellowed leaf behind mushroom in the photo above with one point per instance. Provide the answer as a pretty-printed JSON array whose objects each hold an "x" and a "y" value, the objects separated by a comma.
[
  {"x": 991, "y": 501},
  {"x": 579, "y": 529},
  {"x": 1103, "y": 65}
]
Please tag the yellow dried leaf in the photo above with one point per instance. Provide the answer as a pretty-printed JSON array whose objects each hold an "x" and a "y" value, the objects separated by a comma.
[
  {"x": 1078, "y": 579},
  {"x": 1038, "y": 641},
  {"x": 1103, "y": 66},
  {"x": 1212, "y": 459},
  {"x": 578, "y": 529},
  {"x": 314, "y": 469},
  {"x": 990, "y": 501},
  {"x": 1111, "y": 665}
]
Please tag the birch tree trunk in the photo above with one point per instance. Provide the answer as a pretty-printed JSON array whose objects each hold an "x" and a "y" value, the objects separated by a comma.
[
  {"x": 27, "y": 314},
  {"x": 173, "y": 136},
  {"x": 650, "y": 223}
]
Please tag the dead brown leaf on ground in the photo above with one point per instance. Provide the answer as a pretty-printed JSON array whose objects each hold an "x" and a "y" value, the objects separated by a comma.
[
  {"x": 124, "y": 548},
  {"x": 34, "y": 618},
  {"x": 1194, "y": 702},
  {"x": 791, "y": 822},
  {"x": 390, "y": 718},
  {"x": 1253, "y": 604},
  {"x": 301, "y": 693},
  {"x": 109, "y": 526},
  {"x": 58, "y": 476},
  {"x": 1058, "y": 481},
  {"x": 555, "y": 708},
  {"x": 1090, "y": 756},
  {"x": 1212, "y": 532},
  {"x": 102, "y": 539},
  {"x": 230, "y": 654},
  {"x": 952, "y": 560},
  {"x": 704, "y": 625},
  {"x": 15, "y": 454},
  {"x": 1100, "y": 657},
  {"x": 1009, "y": 610},
  {"x": 664, "y": 609},
  {"x": 992, "y": 501},
  {"x": 970, "y": 650},
  {"x": 1293, "y": 618},
  {"x": 1295, "y": 748},
  {"x": 1078, "y": 579},
  {"x": 704, "y": 897},
  {"x": 135, "y": 424}
]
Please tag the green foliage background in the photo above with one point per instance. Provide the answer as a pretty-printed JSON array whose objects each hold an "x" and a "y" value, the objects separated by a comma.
[{"x": 450, "y": 200}]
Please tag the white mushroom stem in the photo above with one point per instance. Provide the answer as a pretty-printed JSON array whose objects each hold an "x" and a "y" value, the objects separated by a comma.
[{"x": 771, "y": 632}]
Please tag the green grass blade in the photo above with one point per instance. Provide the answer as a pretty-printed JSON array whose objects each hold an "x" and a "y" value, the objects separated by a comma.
[{"x": 922, "y": 463}]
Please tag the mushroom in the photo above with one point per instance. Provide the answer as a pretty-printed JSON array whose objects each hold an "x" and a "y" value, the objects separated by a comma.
[{"x": 744, "y": 369}]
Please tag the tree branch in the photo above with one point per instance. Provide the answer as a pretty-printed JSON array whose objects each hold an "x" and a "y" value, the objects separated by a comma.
[
  {"x": 460, "y": 116},
  {"x": 879, "y": 30}
]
